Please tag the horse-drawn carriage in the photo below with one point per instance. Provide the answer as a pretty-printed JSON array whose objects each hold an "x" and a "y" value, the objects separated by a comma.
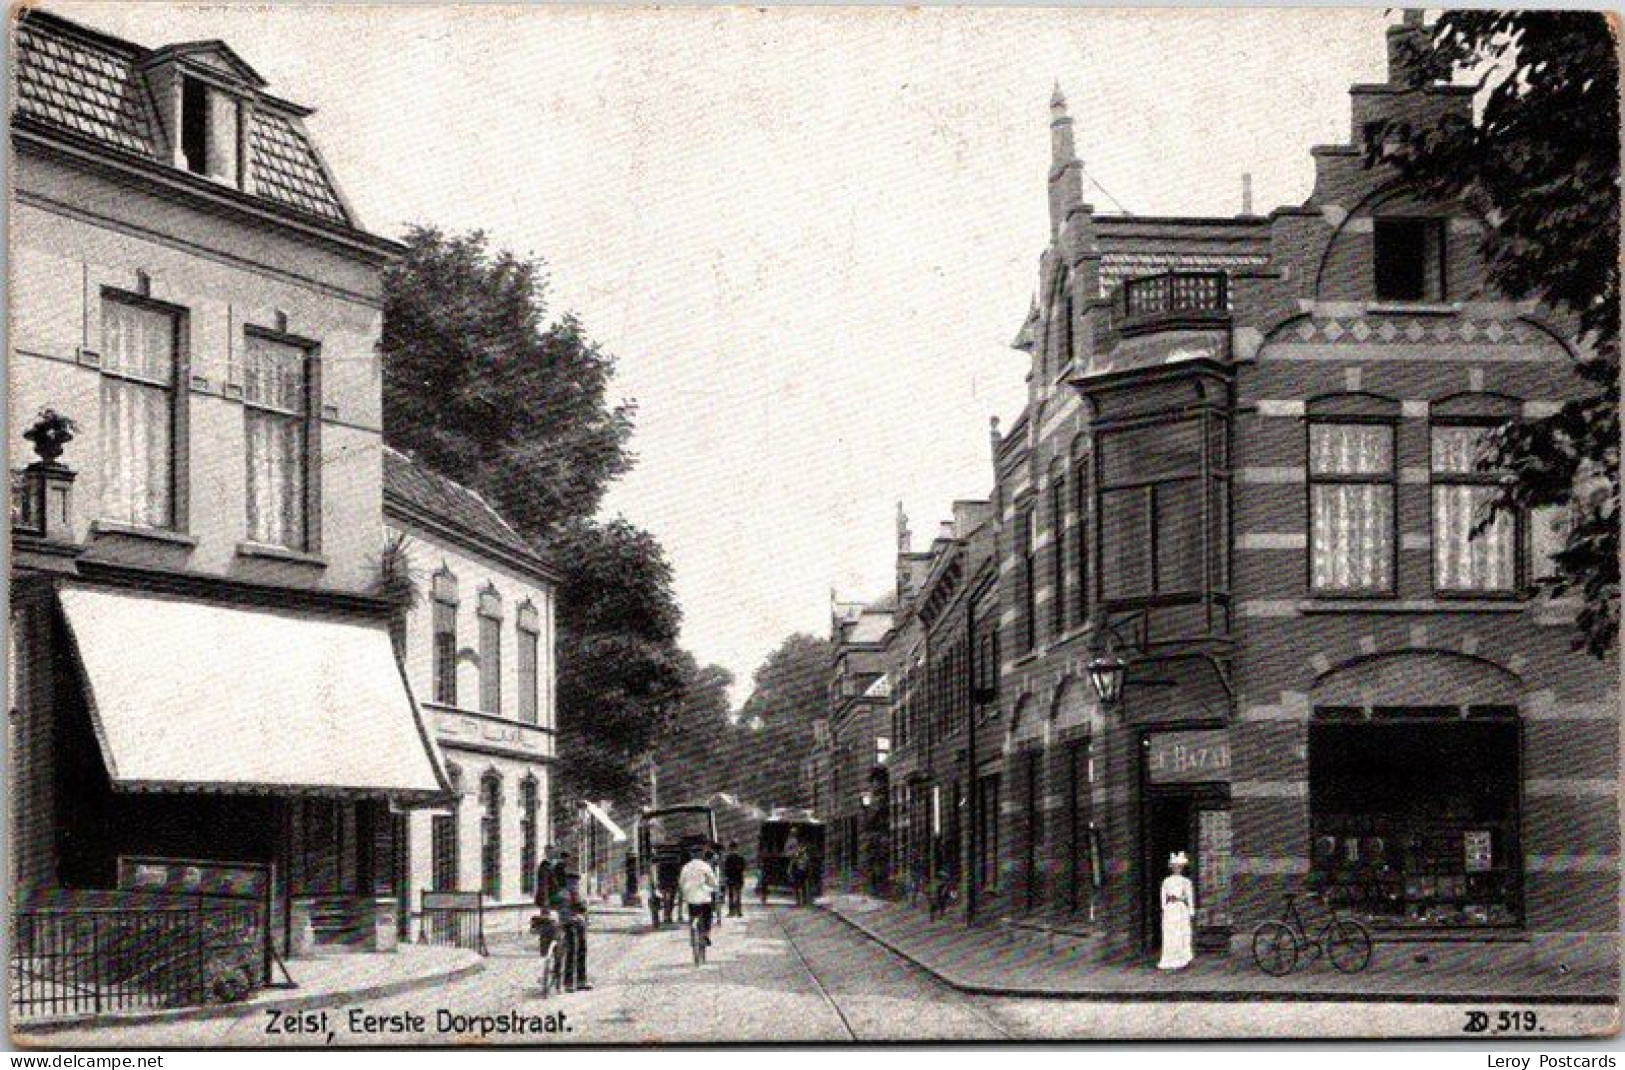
[
  {"x": 668, "y": 837},
  {"x": 790, "y": 854}
]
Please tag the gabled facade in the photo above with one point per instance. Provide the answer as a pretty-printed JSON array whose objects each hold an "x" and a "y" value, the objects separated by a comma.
[
  {"x": 858, "y": 746},
  {"x": 1246, "y": 465}
]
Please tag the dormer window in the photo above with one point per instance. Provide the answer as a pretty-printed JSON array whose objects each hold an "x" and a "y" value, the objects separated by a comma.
[
  {"x": 1409, "y": 259},
  {"x": 210, "y": 125}
]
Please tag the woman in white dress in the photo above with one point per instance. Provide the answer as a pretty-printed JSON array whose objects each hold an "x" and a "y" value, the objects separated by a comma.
[{"x": 1178, "y": 903}]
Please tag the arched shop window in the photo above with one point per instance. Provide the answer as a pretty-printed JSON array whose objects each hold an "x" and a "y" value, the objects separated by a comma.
[{"x": 1414, "y": 809}]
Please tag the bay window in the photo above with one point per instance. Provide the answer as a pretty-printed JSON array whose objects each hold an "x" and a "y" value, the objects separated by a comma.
[
  {"x": 1152, "y": 511},
  {"x": 141, "y": 392},
  {"x": 1351, "y": 507},
  {"x": 276, "y": 407},
  {"x": 1485, "y": 563}
]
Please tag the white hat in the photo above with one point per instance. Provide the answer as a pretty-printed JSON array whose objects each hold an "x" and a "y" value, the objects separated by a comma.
[{"x": 1179, "y": 858}]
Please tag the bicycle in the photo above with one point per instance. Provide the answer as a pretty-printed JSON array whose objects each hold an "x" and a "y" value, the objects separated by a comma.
[{"x": 1277, "y": 944}]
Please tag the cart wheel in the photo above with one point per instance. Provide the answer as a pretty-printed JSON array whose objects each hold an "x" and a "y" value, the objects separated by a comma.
[
  {"x": 1348, "y": 945},
  {"x": 1275, "y": 948}
]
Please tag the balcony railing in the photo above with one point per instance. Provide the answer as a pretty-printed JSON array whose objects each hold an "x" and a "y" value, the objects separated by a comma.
[{"x": 1174, "y": 294}]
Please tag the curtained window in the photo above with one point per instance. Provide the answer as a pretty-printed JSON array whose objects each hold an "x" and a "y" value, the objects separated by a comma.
[
  {"x": 140, "y": 351},
  {"x": 1462, "y": 562},
  {"x": 275, "y": 382},
  {"x": 1351, "y": 508}
]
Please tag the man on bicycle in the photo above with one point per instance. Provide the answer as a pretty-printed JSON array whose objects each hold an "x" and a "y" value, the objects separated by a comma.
[{"x": 697, "y": 885}]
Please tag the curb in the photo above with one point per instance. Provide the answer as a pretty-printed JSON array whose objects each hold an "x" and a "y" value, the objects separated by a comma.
[
  {"x": 1216, "y": 995},
  {"x": 310, "y": 1001}
]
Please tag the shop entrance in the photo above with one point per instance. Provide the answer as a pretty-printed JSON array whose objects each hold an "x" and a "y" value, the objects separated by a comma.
[{"x": 1186, "y": 807}]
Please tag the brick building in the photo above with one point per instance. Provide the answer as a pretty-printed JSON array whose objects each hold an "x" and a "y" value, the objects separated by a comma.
[
  {"x": 203, "y": 680},
  {"x": 1247, "y": 459},
  {"x": 857, "y": 745}
]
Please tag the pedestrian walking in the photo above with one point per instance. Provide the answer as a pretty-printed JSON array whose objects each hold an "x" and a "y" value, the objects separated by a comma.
[
  {"x": 1178, "y": 904},
  {"x": 573, "y": 921},
  {"x": 716, "y": 897},
  {"x": 733, "y": 880}
]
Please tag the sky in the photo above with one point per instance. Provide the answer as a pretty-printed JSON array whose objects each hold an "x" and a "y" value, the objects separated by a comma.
[{"x": 807, "y": 235}]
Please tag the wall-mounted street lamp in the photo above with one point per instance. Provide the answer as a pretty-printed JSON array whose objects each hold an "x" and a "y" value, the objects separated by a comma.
[{"x": 1106, "y": 672}]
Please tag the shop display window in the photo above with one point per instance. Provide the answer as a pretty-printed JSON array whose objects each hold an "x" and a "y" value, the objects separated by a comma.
[{"x": 1414, "y": 815}]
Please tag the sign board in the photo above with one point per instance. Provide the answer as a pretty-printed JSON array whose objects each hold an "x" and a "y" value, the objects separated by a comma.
[
  {"x": 452, "y": 900},
  {"x": 1188, "y": 757},
  {"x": 179, "y": 876}
]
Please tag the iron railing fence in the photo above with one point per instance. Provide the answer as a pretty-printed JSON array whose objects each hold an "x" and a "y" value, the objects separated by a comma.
[{"x": 95, "y": 960}]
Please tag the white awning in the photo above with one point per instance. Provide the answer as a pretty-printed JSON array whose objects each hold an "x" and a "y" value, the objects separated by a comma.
[
  {"x": 189, "y": 696},
  {"x": 615, "y": 831}
]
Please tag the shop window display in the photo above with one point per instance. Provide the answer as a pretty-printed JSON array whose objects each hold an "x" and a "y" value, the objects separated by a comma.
[{"x": 1414, "y": 815}]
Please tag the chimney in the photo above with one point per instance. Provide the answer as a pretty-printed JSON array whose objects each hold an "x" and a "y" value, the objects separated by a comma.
[
  {"x": 1246, "y": 193},
  {"x": 1404, "y": 40},
  {"x": 1065, "y": 169},
  {"x": 904, "y": 537}
]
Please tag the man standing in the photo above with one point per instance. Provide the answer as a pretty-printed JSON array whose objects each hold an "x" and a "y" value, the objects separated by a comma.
[
  {"x": 547, "y": 885},
  {"x": 733, "y": 879}
]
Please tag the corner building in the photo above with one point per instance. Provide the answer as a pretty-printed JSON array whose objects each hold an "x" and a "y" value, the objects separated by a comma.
[{"x": 1248, "y": 449}]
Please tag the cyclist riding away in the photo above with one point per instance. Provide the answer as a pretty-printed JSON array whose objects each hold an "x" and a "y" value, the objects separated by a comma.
[{"x": 698, "y": 885}]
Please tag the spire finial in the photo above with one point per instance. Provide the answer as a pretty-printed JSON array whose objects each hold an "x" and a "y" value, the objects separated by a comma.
[{"x": 1057, "y": 100}]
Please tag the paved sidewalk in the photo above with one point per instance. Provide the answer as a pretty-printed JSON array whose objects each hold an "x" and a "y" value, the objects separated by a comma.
[
  {"x": 1002, "y": 960},
  {"x": 323, "y": 981}
]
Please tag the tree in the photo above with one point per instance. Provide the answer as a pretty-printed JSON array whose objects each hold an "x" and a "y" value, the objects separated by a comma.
[
  {"x": 1541, "y": 165},
  {"x": 479, "y": 385},
  {"x": 694, "y": 751},
  {"x": 621, "y": 674},
  {"x": 790, "y": 692}
]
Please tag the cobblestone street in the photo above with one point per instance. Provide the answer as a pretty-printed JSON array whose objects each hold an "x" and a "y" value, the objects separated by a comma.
[{"x": 784, "y": 976}]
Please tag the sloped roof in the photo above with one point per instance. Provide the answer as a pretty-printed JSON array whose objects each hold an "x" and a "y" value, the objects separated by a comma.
[
  {"x": 91, "y": 85},
  {"x": 430, "y": 494}
]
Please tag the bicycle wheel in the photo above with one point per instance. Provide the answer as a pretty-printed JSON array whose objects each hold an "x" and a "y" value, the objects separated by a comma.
[
  {"x": 1275, "y": 948},
  {"x": 1348, "y": 945}
]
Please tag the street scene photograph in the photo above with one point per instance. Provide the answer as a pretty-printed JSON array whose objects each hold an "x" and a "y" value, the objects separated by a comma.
[{"x": 569, "y": 525}]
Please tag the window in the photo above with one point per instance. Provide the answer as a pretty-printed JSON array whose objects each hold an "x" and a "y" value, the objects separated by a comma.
[
  {"x": 1058, "y": 551},
  {"x": 490, "y": 613},
  {"x": 528, "y": 835},
  {"x": 209, "y": 131},
  {"x": 1027, "y": 539},
  {"x": 443, "y": 845},
  {"x": 882, "y": 749},
  {"x": 529, "y": 648},
  {"x": 1351, "y": 508},
  {"x": 1080, "y": 537},
  {"x": 276, "y": 405},
  {"x": 1409, "y": 256},
  {"x": 140, "y": 401},
  {"x": 491, "y": 835},
  {"x": 444, "y": 597},
  {"x": 1462, "y": 562},
  {"x": 1151, "y": 512}
]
